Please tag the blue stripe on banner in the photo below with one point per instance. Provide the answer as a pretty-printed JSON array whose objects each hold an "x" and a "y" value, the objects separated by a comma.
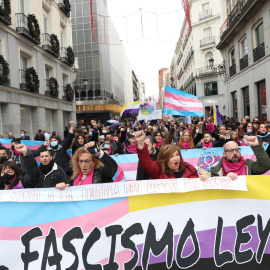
[
  {"x": 182, "y": 113},
  {"x": 179, "y": 92},
  {"x": 21, "y": 214},
  {"x": 25, "y": 142}
]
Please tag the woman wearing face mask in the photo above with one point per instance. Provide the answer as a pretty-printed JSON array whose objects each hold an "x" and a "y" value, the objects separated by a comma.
[
  {"x": 244, "y": 140},
  {"x": 59, "y": 151},
  {"x": 169, "y": 163},
  {"x": 263, "y": 135},
  {"x": 79, "y": 141},
  {"x": 249, "y": 129},
  {"x": 12, "y": 177}
]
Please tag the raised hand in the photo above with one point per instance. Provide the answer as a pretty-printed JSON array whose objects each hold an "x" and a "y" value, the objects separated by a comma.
[
  {"x": 252, "y": 140},
  {"x": 21, "y": 148},
  {"x": 140, "y": 137}
]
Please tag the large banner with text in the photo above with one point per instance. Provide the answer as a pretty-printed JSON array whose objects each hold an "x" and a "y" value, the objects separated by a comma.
[{"x": 220, "y": 223}]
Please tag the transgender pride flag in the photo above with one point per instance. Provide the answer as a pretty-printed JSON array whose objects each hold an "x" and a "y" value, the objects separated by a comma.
[{"x": 177, "y": 102}]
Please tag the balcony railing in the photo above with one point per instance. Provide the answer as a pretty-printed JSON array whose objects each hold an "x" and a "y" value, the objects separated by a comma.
[
  {"x": 63, "y": 55},
  {"x": 234, "y": 17},
  {"x": 22, "y": 27},
  {"x": 232, "y": 70},
  {"x": 259, "y": 52},
  {"x": 23, "y": 85},
  {"x": 48, "y": 46},
  {"x": 4, "y": 18},
  {"x": 244, "y": 62},
  {"x": 207, "y": 41},
  {"x": 62, "y": 6},
  {"x": 205, "y": 14},
  {"x": 210, "y": 69}
]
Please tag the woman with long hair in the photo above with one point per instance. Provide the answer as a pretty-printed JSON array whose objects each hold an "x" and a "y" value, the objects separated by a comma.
[
  {"x": 187, "y": 142},
  {"x": 79, "y": 141},
  {"x": 12, "y": 177},
  {"x": 169, "y": 163},
  {"x": 234, "y": 137},
  {"x": 92, "y": 166}
]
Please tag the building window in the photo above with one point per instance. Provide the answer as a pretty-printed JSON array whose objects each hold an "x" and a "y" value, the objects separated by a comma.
[
  {"x": 243, "y": 47},
  {"x": 259, "y": 35},
  {"x": 207, "y": 33},
  {"x": 21, "y": 8},
  {"x": 262, "y": 101},
  {"x": 234, "y": 105},
  {"x": 246, "y": 101},
  {"x": 232, "y": 57},
  {"x": 208, "y": 56},
  {"x": 210, "y": 89},
  {"x": 206, "y": 7}
]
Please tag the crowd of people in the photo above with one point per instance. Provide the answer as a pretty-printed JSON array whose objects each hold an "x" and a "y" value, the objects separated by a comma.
[{"x": 83, "y": 155}]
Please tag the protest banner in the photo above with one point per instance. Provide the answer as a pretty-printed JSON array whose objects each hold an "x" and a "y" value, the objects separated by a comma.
[{"x": 202, "y": 229}]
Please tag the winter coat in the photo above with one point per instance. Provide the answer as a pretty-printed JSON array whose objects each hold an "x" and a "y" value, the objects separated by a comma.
[
  {"x": 263, "y": 137},
  {"x": 141, "y": 174},
  {"x": 261, "y": 166},
  {"x": 30, "y": 179},
  {"x": 55, "y": 176},
  {"x": 60, "y": 155},
  {"x": 153, "y": 170}
]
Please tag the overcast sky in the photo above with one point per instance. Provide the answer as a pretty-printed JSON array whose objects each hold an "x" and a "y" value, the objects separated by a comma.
[{"x": 147, "y": 56}]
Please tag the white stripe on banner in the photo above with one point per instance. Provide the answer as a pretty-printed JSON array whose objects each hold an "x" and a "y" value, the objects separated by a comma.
[{"x": 183, "y": 103}]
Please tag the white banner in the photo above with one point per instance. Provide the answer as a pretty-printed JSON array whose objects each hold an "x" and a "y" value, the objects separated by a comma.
[
  {"x": 148, "y": 110},
  {"x": 122, "y": 189}
]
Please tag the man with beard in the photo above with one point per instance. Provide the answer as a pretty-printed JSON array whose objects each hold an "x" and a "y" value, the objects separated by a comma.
[
  {"x": 233, "y": 164},
  {"x": 50, "y": 173},
  {"x": 153, "y": 151}
]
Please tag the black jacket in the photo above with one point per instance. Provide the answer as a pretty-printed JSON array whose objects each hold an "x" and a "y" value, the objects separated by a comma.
[
  {"x": 30, "y": 179},
  {"x": 55, "y": 176},
  {"x": 60, "y": 155},
  {"x": 141, "y": 174}
]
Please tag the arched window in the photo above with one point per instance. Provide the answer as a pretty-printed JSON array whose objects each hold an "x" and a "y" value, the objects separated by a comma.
[{"x": 208, "y": 56}]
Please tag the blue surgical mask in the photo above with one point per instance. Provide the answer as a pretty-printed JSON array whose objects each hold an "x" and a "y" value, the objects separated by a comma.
[
  {"x": 245, "y": 142},
  {"x": 90, "y": 133},
  {"x": 107, "y": 146},
  {"x": 22, "y": 134},
  {"x": 54, "y": 143}
]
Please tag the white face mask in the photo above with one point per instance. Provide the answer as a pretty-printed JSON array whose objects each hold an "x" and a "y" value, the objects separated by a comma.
[
  {"x": 197, "y": 130},
  {"x": 249, "y": 130},
  {"x": 104, "y": 131},
  {"x": 181, "y": 133},
  {"x": 107, "y": 146},
  {"x": 128, "y": 130}
]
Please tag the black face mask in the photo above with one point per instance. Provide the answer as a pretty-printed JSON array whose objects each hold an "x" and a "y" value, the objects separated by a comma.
[
  {"x": 3, "y": 160},
  {"x": 7, "y": 178}
]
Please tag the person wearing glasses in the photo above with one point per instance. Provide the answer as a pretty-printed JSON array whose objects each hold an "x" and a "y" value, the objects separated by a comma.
[
  {"x": 233, "y": 164},
  {"x": 92, "y": 166}
]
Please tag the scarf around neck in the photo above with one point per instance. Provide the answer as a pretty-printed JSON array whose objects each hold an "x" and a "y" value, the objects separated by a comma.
[
  {"x": 45, "y": 169},
  {"x": 158, "y": 144},
  {"x": 132, "y": 148},
  {"x": 237, "y": 167},
  {"x": 186, "y": 145},
  {"x": 207, "y": 145},
  {"x": 87, "y": 181}
]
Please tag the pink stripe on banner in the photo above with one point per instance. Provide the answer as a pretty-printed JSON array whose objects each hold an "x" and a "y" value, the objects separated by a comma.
[
  {"x": 181, "y": 108},
  {"x": 181, "y": 98},
  {"x": 120, "y": 257},
  {"x": 127, "y": 167},
  {"x": 87, "y": 222}
]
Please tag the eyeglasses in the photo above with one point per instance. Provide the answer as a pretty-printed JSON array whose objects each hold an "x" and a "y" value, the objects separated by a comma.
[
  {"x": 230, "y": 151},
  {"x": 85, "y": 161}
]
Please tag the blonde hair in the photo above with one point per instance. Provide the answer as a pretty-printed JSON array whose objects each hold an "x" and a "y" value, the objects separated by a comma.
[
  {"x": 180, "y": 144},
  {"x": 75, "y": 161}
]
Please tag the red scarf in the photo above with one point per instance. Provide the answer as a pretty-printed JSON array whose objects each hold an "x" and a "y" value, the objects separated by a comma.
[
  {"x": 186, "y": 145},
  {"x": 207, "y": 145},
  {"x": 132, "y": 148},
  {"x": 210, "y": 127},
  {"x": 237, "y": 167},
  {"x": 159, "y": 143},
  {"x": 87, "y": 181}
]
